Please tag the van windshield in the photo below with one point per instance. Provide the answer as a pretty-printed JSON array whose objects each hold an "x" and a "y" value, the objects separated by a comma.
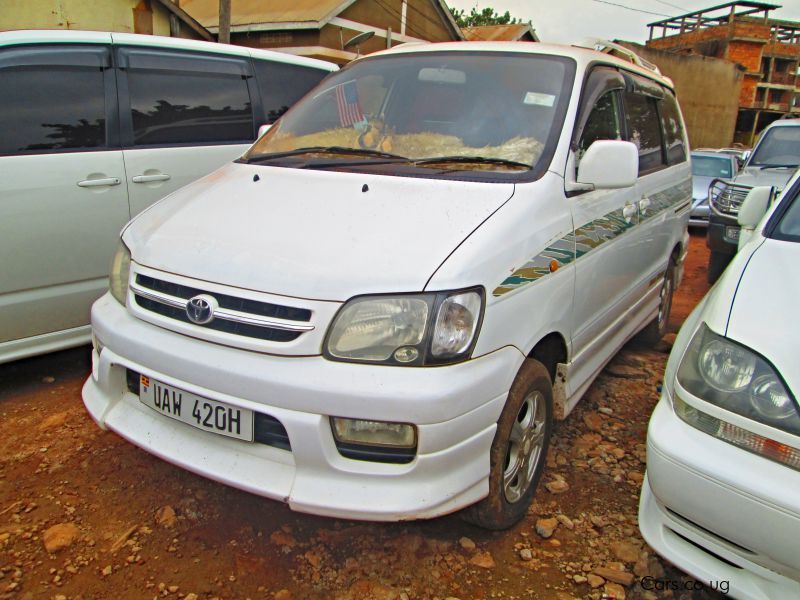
[{"x": 455, "y": 110}]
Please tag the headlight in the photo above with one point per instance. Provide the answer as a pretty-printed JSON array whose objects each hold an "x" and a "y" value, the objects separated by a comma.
[
  {"x": 120, "y": 270},
  {"x": 412, "y": 329},
  {"x": 733, "y": 377}
]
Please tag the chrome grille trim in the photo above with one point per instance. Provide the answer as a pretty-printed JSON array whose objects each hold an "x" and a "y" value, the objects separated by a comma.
[
  {"x": 221, "y": 313},
  {"x": 725, "y": 198}
]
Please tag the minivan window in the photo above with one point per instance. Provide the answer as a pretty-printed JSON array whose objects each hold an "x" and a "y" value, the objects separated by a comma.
[
  {"x": 484, "y": 111},
  {"x": 51, "y": 108},
  {"x": 645, "y": 130},
  {"x": 603, "y": 122},
  {"x": 282, "y": 84},
  {"x": 673, "y": 130},
  {"x": 780, "y": 146},
  {"x": 169, "y": 107}
]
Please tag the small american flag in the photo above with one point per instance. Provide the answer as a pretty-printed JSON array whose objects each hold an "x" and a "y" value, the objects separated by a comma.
[{"x": 347, "y": 103}]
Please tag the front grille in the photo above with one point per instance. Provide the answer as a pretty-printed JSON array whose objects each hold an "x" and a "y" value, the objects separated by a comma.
[
  {"x": 726, "y": 198},
  {"x": 238, "y": 316},
  {"x": 263, "y": 309}
]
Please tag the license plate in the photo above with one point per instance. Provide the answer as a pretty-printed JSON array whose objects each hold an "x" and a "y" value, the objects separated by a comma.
[
  {"x": 732, "y": 233},
  {"x": 203, "y": 413}
]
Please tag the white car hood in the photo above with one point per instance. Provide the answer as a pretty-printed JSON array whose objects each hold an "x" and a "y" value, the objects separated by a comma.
[
  {"x": 311, "y": 234},
  {"x": 756, "y": 176},
  {"x": 764, "y": 311}
]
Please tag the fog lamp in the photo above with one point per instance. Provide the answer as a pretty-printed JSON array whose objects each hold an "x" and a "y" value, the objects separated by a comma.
[{"x": 377, "y": 433}]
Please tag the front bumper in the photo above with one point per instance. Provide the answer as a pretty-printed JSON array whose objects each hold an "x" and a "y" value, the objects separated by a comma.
[
  {"x": 723, "y": 234},
  {"x": 455, "y": 409},
  {"x": 721, "y": 514}
]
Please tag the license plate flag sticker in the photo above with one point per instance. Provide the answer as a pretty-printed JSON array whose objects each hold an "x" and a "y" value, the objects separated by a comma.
[
  {"x": 145, "y": 381},
  {"x": 347, "y": 103}
]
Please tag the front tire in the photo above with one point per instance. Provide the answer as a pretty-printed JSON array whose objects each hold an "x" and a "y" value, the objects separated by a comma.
[{"x": 518, "y": 451}]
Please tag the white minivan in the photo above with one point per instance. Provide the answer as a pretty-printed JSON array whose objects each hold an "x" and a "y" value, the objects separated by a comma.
[
  {"x": 379, "y": 311},
  {"x": 97, "y": 126}
]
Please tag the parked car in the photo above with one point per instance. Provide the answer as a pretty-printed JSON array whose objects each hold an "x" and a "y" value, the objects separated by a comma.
[
  {"x": 96, "y": 127},
  {"x": 721, "y": 497},
  {"x": 707, "y": 166},
  {"x": 772, "y": 162},
  {"x": 379, "y": 311}
]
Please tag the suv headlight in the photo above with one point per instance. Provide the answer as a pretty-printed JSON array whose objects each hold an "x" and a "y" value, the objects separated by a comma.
[
  {"x": 733, "y": 377},
  {"x": 408, "y": 329},
  {"x": 120, "y": 271}
]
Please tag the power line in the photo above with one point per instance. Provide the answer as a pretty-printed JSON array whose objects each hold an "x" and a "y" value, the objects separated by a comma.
[
  {"x": 647, "y": 12},
  {"x": 672, "y": 5}
]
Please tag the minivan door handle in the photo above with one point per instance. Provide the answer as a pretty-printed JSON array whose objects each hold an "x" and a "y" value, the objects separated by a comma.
[
  {"x": 630, "y": 211},
  {"x": 150, "y": 178},
  {"x": 99, "y": 182},
  {"x": 644, "y": 203}
]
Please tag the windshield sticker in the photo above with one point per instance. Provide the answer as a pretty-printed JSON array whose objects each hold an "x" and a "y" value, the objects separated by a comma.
[{"x": 538, "y": 99}]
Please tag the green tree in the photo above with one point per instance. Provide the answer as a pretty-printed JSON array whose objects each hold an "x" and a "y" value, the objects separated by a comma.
[{"x": 485, "y": 16}]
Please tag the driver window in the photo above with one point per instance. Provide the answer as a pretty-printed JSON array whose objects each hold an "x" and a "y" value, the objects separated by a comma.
[{"x": 603, "y": 123}]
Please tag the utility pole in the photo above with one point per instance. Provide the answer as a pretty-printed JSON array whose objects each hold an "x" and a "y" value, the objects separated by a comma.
[{"x": 224, "y": 36}]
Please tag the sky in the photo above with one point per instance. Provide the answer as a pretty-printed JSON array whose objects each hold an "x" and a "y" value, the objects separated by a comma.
[{"x": 570, "y": 21}]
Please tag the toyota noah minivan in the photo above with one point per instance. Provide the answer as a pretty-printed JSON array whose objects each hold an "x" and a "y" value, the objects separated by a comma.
[{"x": 381, "y": 308}]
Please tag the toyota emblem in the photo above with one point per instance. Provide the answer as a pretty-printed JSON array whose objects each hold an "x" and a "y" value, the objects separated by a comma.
[{"x": 200, "y": 309}]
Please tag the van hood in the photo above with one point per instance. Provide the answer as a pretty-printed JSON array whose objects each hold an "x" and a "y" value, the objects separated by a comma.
[
  {"x": 756, "y": 176},
  {"x": 313, "y": 234}
]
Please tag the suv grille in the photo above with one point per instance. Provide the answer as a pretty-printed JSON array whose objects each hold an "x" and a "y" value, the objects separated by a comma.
[{"x": 237, "y": 316}]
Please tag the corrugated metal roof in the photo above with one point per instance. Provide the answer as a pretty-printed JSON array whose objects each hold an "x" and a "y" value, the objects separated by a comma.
[
  {"x": 498, "y": 33},
  {"x": 246, "y": 12}
]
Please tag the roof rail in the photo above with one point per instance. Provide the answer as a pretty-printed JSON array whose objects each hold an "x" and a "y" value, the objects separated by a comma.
[{"x": 609, "y": 47}]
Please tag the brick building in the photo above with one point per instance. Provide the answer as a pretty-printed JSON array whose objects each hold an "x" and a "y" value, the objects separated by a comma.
[{"x": 766, "y": 50}]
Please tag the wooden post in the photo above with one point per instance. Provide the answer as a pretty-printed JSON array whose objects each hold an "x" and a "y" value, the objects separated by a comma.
[{"x": 224, "y": 35}]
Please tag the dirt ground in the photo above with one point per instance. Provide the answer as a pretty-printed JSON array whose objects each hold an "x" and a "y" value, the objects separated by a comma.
[{"x": 133, "y": 526}]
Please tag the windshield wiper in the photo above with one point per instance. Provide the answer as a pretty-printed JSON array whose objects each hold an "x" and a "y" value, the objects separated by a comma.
[
  {"x": 327, "y": 150},
  {"x": 470, "y": 159},
  {"x": 762, "y": 167}
]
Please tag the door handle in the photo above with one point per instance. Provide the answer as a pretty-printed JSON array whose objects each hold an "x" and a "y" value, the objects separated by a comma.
[
  {"x": 150, "y": 178},
  {"x": 99, "y": 182},
  {"x": 644, "y": 203},
  {"x": 629, "y": 211}
]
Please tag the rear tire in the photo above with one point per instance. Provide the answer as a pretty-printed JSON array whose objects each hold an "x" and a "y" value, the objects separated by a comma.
[
  {"x": 656, "y": 329},
  {"x": 518, "y": 451},
  {"x": 717, "y": 261}
]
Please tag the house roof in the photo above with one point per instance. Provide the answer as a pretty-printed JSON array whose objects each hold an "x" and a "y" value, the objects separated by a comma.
[
  {"x": 263, "y": 15},
  {"x": 500, "y": 33},
  {"x": 248, "y": 12},
  {"x": 187, "y": 19}
]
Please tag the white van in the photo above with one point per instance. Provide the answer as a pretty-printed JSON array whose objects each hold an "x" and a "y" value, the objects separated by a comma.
[
  {"x": 96, "y": 127},
  {"x": 379, "y": 311}
]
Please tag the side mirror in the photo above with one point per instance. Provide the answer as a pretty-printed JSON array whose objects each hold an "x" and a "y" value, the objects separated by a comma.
[
  {"x": 609, "y": 164},
  {"x": 755, "y": 206},
  {"x": 262, "y": 130},
  {"x": 745, "y": 155}
]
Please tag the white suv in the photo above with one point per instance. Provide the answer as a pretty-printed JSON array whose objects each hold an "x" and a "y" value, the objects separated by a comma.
[
  {"x": 96, "y": 127},
  {"x": 378, "y": 312}
]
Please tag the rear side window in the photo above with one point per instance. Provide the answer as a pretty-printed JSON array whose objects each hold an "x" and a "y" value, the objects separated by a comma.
[
  {"x": 645, "y": 131},
  {"x": 51, "y": 109},
  {"x": 187, "y": 99},
  {"x": 281, "y": 85},
  {"x": 673, "y": 130}
]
